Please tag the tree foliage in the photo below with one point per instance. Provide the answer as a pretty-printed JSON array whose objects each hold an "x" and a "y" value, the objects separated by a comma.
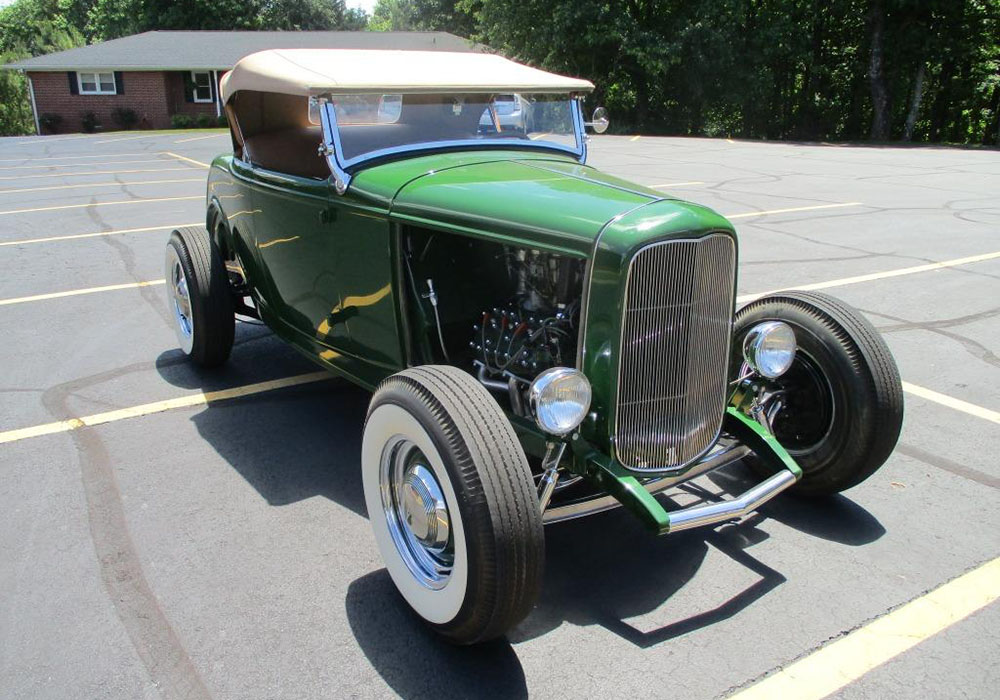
[
  {"x": 28, "y": 28},
  {"x": 801, "y": 69},
  {"x": 422, "y": 15},
  {"x": 921, "y": 70}
]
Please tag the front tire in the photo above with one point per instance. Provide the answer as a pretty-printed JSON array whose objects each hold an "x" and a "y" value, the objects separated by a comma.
[
  {"x": 841, "y": 405},
  {"x": 452, "y": 503},
  {"x": 198, "y": 297}
]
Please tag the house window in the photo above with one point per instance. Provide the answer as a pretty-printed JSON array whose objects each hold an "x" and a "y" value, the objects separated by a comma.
[
  {"x": 96, "y": 83},
  {"x": 201, "y": 86}
]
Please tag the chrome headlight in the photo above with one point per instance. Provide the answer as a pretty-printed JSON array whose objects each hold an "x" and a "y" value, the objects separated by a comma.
[
  {"x": 560, "y": 399},
  {"x": 769, "y": 348}
]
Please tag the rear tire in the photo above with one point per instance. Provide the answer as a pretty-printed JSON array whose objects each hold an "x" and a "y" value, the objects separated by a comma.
[
  {"x": 198, "y": 297},
  {"x": 843, "y": 410},
  {"x": 452, "y": 503}
]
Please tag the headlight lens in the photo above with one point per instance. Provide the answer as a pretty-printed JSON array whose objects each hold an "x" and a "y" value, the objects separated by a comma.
[
  {"x": 560, "y": 398},
  {"x": 769, "y": 348}
]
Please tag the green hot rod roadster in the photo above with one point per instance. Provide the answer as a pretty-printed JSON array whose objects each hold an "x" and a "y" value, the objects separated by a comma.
[{"x": 543, "y": 341}]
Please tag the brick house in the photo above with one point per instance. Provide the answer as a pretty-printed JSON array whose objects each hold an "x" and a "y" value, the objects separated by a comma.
[{"x": 164, "y": 73}]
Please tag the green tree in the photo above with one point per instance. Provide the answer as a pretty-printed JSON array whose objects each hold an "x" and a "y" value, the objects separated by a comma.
[
  {"x": 423, "y": 15},
  {"x": 28, "y": 28}
]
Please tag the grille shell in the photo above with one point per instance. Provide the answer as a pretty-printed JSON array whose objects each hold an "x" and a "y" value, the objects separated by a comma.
[{"x": 674, "y": 351}]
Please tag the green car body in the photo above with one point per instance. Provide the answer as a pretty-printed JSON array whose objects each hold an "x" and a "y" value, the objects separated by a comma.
[{"x": 325, "y": 271}]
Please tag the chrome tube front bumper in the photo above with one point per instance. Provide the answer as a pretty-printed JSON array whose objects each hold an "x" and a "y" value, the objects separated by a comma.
[
  {"x": 621, "y": 486},
  {"x": 712, "y": 461},
  {"x": 749, "y": 501}
]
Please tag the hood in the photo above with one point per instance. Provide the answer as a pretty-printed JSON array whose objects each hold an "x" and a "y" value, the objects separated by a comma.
[{"x": 551, "y": 201}]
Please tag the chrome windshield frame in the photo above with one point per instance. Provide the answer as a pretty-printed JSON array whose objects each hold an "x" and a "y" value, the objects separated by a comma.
[{"x": 343, "y": 168}]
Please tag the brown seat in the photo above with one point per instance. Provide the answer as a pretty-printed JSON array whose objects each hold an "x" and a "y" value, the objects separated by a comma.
[{"x": 294, "y": 151}]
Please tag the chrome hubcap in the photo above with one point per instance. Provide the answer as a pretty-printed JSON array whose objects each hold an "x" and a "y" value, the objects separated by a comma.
[
  {"x": 179, "y": 300},
  {"x": 416, "y": 512},
  {"x": 182, "y": 300}
]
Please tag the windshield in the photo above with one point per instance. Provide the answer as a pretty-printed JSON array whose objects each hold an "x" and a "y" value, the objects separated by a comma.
[{"x": 369, "y": 125}]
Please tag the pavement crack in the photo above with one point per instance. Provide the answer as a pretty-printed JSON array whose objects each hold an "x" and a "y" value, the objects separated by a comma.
[
  {"x": 973, "y": 347},
  {"x": 154, "y": 639}
]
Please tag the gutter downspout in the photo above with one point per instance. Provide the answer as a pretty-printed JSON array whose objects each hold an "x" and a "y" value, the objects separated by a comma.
[
  {"x": 215, "y": 88},
  {"x": 34, "y": 109}
]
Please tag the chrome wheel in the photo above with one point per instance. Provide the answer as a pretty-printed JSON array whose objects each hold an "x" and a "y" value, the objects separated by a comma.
[
  {"x": 416, "y": 513},
  {"x": 179, "y": 300}
]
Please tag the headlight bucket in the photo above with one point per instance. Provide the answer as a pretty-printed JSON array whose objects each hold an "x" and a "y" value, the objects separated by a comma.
[
  {"x": 560, "y": 398},
  {"x": 769, "y": 348}
]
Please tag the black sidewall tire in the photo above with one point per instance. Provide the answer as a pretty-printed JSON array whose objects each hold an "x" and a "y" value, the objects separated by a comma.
[
  {"x": 212, "y": 310},
  {"x": 863, "y": 382}
]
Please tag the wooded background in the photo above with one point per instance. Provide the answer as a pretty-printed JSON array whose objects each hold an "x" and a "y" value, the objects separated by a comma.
[{"x": 843, "y": 70}]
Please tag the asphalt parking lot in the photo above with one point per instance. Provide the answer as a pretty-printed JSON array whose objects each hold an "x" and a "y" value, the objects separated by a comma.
[{"x": 223, "y": 550}]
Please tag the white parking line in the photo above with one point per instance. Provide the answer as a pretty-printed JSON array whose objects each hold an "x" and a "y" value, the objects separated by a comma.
[
  {"x": 843, "y": 281},
  {"x": 127, "y": 138},
  {"x": 46, "y": 140},
  {"x": 816, "y": 207},
  {"x": 48, "y": 166},
  {"x": 142, "y": 200},
  {"x": 951, "y": 402},
  {"x": 77, "y": 292},
  {"x": 133, "y": 183},
  {"x": 103, "y": 155},
  {"x": 199, "y": 138},
  {"x": 97, "y": 234},
  {"x": 146, "y": 409},
  {"x": 91, "y": 173}
]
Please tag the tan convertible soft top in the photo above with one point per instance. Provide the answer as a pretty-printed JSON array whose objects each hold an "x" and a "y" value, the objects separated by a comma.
[{"x": 332, "y": 71}]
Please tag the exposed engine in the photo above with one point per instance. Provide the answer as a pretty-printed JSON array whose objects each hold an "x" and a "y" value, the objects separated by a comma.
[{"x": 538, "y": 327}]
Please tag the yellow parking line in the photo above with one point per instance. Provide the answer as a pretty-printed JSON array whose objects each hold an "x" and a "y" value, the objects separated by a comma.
[
  {"x": 677, "y": 184},
  {"x": 101, "y": 204},
  {"x": 881, "y": 275},
  {"x": 99, "y": 184},
  {"x": 96, "y": 234},
  {"x": 199, "y": 138},
  {"x": 90, "y": 173},
  {"x": 951, "y": 402},
  {"x": 77, "y": 292},
  {"x": 103, "y": 155},
  {"x": 847, "y": 659},
  {"x": 199, "y": 399},
  {"x": 186, "y": 159},
  {"x": 792, "y": 209},
  {"x": 536, "y": 137},
  {"x": 635, "y": 138}
]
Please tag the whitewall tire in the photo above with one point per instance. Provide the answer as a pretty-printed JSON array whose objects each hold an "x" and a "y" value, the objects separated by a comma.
[{"x": 451, "y": 503}]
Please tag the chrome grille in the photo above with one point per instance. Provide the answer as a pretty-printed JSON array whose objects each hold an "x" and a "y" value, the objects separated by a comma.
[{"x": 674, "y": 359}]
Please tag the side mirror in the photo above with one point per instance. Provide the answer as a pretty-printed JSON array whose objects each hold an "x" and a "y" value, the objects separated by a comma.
[{"x": 599, "y": 122}]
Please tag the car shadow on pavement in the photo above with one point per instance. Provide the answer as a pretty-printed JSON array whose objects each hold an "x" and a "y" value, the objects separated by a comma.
[
  {"x": 289, "y": 445},
  {"x": 592, "y": 579},
  {"x": 414, "y": 661},
  {"x": 834, "y": 518}
]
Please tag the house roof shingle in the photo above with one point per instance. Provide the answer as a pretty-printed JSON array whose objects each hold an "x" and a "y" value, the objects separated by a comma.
[{"x": 188, "y": 50}]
